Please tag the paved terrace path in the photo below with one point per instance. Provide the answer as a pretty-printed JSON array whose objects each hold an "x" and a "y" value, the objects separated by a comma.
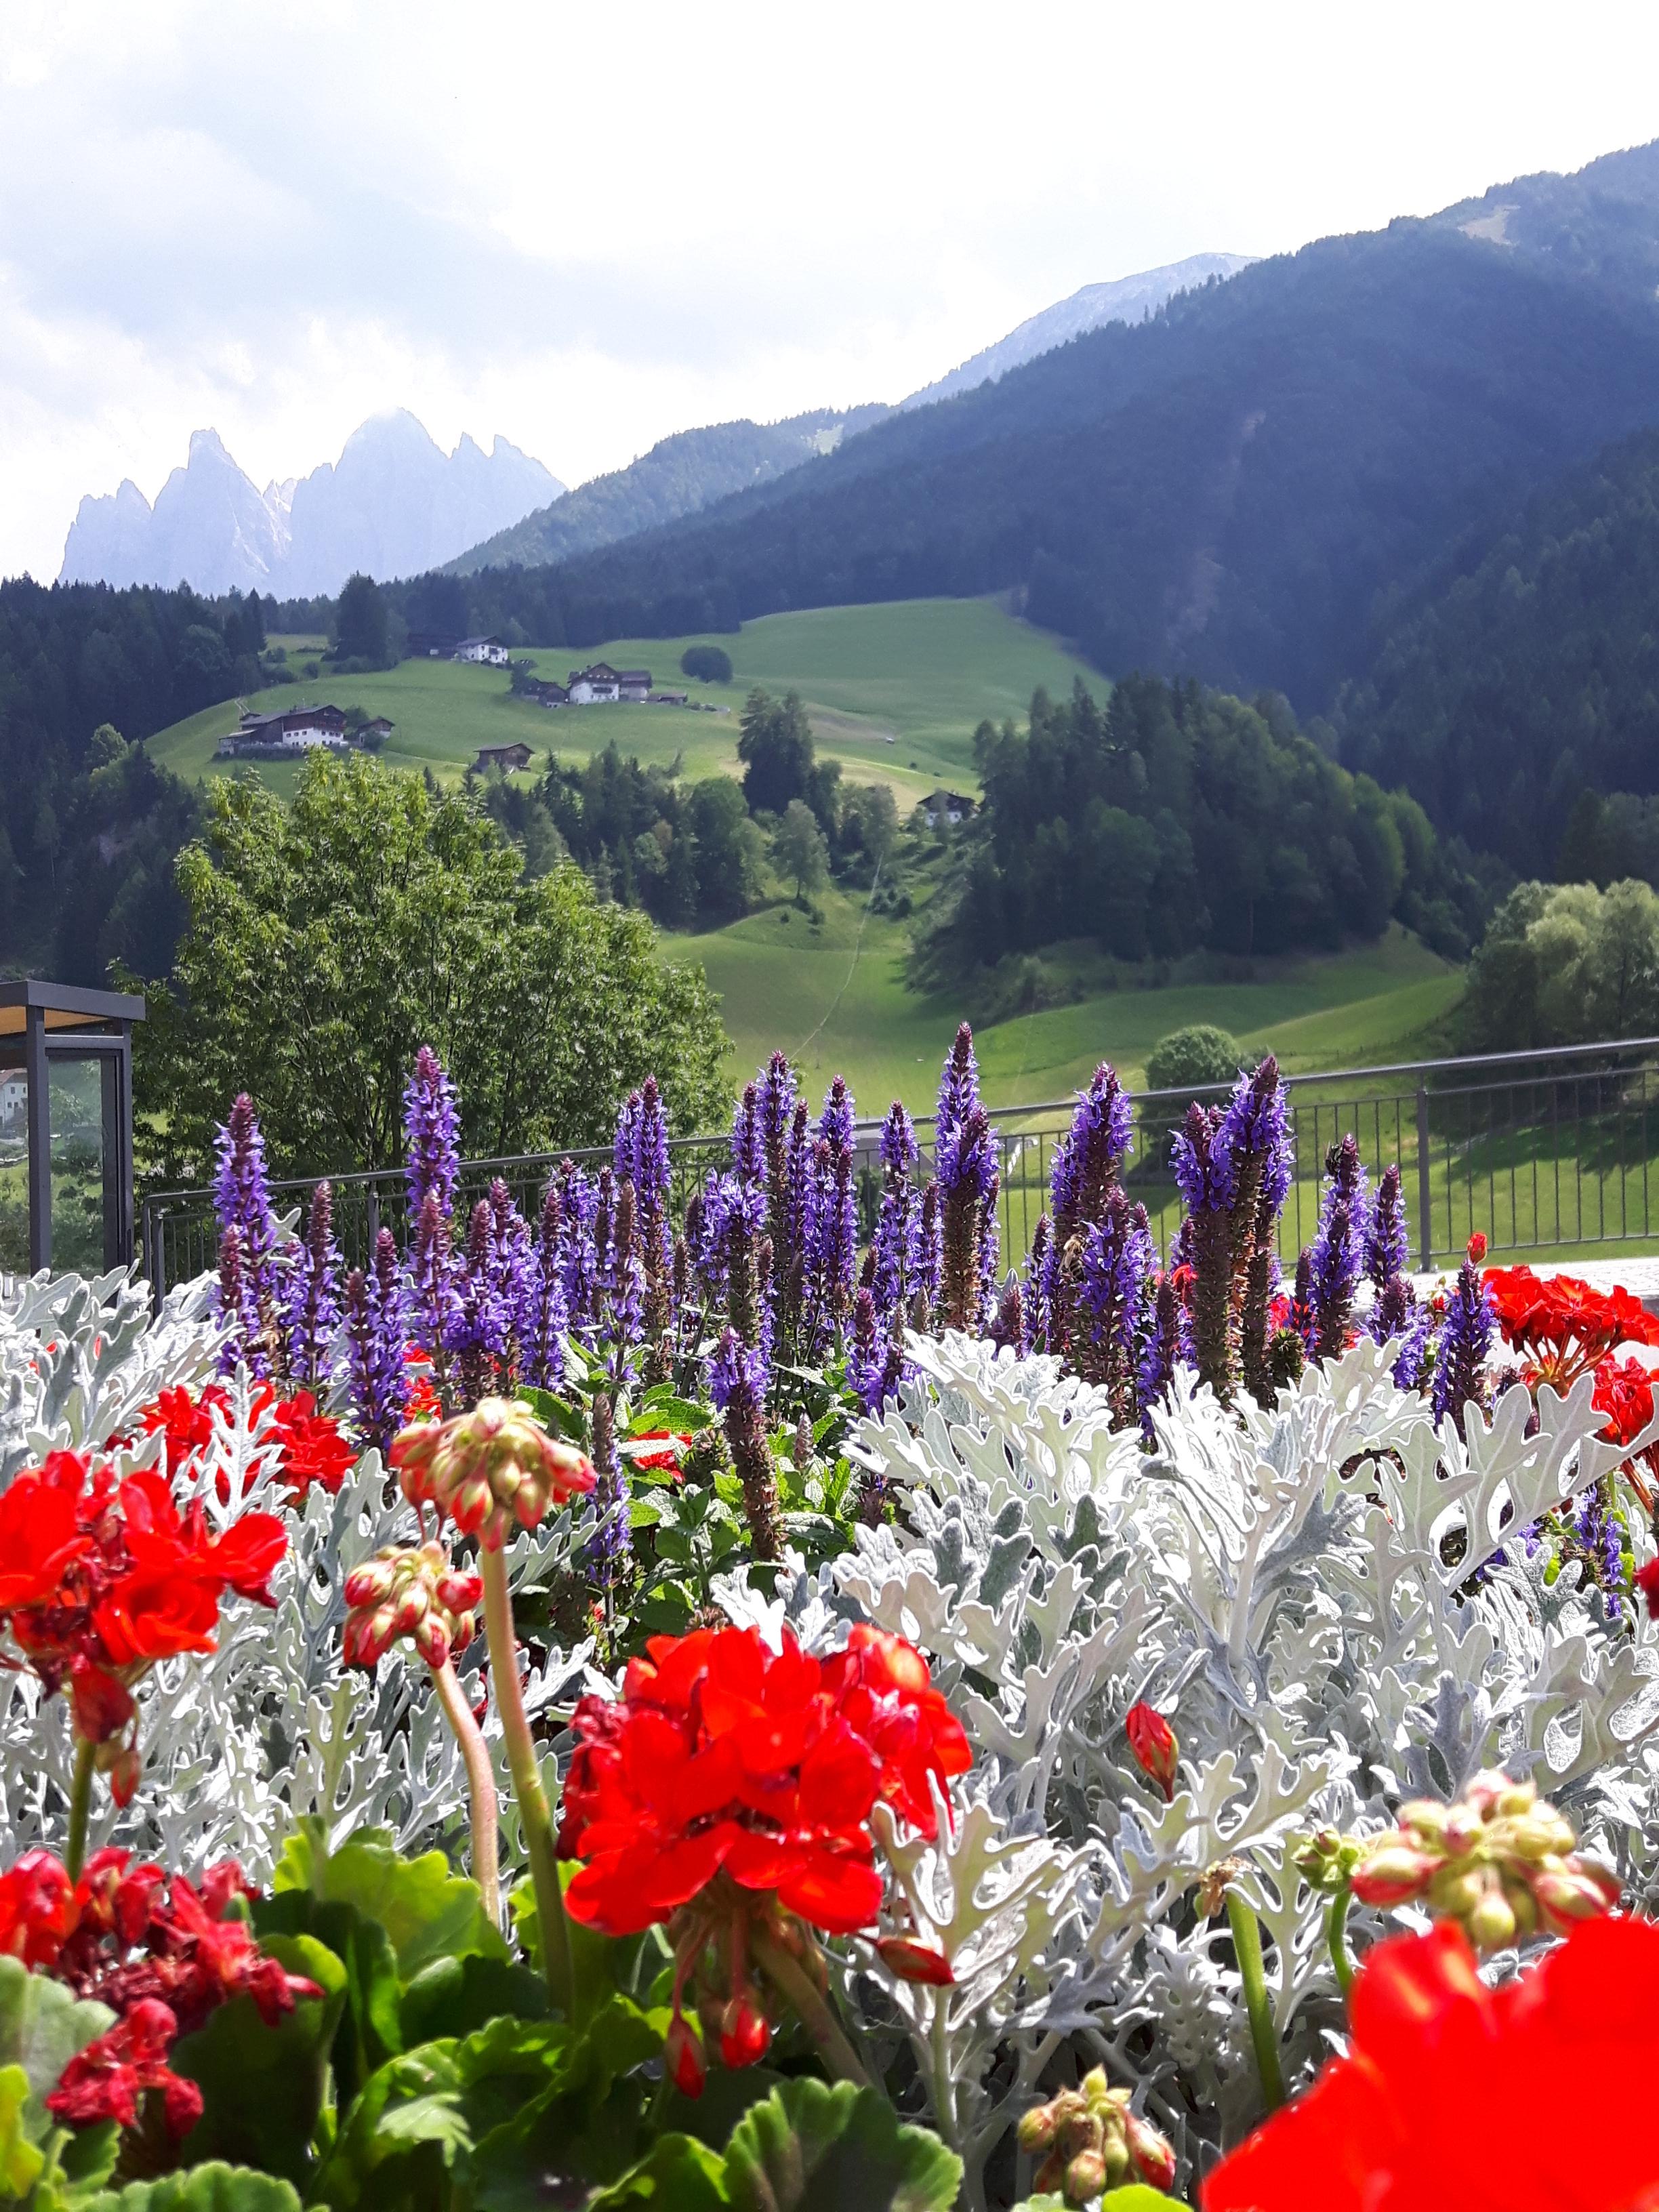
[{"x": 1636, "y": 1273}]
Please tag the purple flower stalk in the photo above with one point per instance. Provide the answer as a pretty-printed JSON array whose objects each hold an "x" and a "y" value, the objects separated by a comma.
[
  {"x": 1008, "y": 1328},
  {"x": 897, "y": 1225},
  {"x": 1087, "y": 1159},
  {"x": 965, "y": 1155},
  {"x": 478, "y": 1321},
  {"x": 432, "y": 1302},
  {"x": 1160, "y": 1349},
  {"x": 1338, "y": 1247},
  {"x": 432, "y": 1156},
  {"x": 737, "y": 1382},
  {"x": 748, "y": 1143},
  {"x": 241, "y": 1199},
  {"x": 1466, "y": 1337},
  {"x": 233, "y": 1304},
  {"x": 1118, "y": 1263},
  {"x": 1233, "y": 1166},
  {"x": 1386, "y": 1252},
  {"x": 578, "y": 1256},
  {"x": 376, "y": 1330},
  {"x": 542, "y": 1319},
  {"x": 312, "y": 1310}
]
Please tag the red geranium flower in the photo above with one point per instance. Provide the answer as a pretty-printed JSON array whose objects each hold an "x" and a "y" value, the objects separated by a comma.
[
  {"x": 308, "y": 1446},
  {"x": 161, "y": 1952},
  {"x": 100, "y": 1579},
  {"x": 732, "y": 1786},
  {"x": 1563, "y": 1324},
  {"x": 665, "y": 1461},
  {"x": 105, "y": 2081},
  {"x": 1435, "y": 2104}
]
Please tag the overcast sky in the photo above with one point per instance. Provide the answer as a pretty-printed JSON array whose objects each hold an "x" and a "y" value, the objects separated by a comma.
[{"x": 584, "y": 227}]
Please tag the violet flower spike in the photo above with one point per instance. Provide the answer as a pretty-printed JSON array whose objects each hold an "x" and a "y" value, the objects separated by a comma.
[{"x": 431, "y": 1123}]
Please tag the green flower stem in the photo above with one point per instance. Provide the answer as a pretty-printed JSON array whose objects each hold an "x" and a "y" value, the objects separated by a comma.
[
  {"x": 792, "y": 1982},
  {"x": 1247, "y": 1948},
  {"x": 1336, "y": 1938},
  {"x": 534, "y": 1817},
  {"x": 480, "y": 1788},
  {"x": 80, "y": 1807},
  {"x": 945, "y": 2095}
]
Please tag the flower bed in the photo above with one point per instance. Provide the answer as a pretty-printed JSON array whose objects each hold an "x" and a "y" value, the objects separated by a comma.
[{"x": 604, "y": 1709}]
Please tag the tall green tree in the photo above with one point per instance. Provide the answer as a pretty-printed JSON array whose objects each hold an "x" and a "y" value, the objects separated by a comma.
[
  {"x": 774, "y": 743},
  {"x": 363, "y": 622},
  {"x": 799, "y": 850},
  {"x": 325, "y": 943}
]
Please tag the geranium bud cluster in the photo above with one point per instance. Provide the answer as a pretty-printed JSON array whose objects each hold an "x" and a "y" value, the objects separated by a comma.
[
  {"x": 1088, "y": 2140},
  {"x": 411, "y": 1591},
  {"x": 489, "y": 1470},
  {"x": 1500, "y": 1862}
]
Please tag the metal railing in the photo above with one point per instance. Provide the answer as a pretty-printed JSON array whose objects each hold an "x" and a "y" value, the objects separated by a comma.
[{"x": 1543, "y": 1152}]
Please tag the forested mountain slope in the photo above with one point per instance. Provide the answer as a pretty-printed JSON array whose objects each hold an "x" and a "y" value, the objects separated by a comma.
[{"x": 1225, "y": 489}]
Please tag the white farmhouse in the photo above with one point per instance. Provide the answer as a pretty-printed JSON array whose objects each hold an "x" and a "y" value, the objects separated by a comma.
[{"x": 489, "y": 651}]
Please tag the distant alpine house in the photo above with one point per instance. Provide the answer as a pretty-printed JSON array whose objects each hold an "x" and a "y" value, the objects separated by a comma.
[
  {"x": 300, "y": 730},
  {"x": 601, "y": 683}
]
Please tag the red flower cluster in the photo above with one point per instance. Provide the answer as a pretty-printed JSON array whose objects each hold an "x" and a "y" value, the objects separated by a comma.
[
  {"x": 723, "y": 1753},
  {"x": 99, "y": 1579},
  {"x": 729, "y": 1793},
  {"x": 1436, "y": 2102},
  {"x": 1562, "y": 1325},
  {"x": 310, "y": 1452},
  {"x": 158, "y": 1950},
  {"x": 674, "y": 1446}
]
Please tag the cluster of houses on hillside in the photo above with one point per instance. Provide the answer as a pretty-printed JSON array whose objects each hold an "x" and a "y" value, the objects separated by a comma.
[
  {"x": 300, "y": 730},
  {"x": 600, "y": 684},
  {"x": 427, "y": 644}
]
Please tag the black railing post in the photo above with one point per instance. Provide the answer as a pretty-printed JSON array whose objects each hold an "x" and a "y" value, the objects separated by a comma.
[{"x": 1424, "y": 1193}]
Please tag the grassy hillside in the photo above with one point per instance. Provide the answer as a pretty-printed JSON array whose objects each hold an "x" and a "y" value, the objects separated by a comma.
[
  {"x": 896, "y": 693},
  {"x": 833, "y": 996}
]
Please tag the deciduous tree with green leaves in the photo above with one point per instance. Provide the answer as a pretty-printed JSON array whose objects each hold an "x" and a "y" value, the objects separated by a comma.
[
  {"x": 327, "y": 942},
  {"x": 799, "y": 849}
]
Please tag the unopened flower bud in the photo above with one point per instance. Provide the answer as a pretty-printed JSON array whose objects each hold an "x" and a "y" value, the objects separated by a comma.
[
  {"x": 1393, "y": 1874},
  {"x": 1079, "y": 2130},
  {"x": 746, "y": 2032},
  {"x": 1152, "y": 1742},
  {"x": 1153, "y": 2157},
  {"x": 1491, "y": 1921},
  {"x": 914, "y": 1962},
  {"x": 1086, "y": 2176},
  {"x": 1037, "y": 2129},
  {"x": 683, "y": 2057},
  {"x": 1577, "y": 1889}
]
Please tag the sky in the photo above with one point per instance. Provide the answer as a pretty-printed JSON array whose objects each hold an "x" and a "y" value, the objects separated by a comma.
[{"x": 584, "y": 227}]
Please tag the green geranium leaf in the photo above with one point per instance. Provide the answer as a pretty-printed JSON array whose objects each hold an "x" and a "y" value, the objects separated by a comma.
[
  {"x": 428, "y": 1911},
  {"x": 661, "y": 1409},
  {"x": 214, "y": 2187},
  {"x": 678, "y": 2174},
  {"x": 78, "y": 2165},
  {"x": 818, "y": 2146},
  {"x": 370, "y": 2030},
  {"x": 263, "y": 2087},
  {"x": 41, "y": 2028},
  {"x": 458, "y": 1997},
  {"x": 556, "y": 1417},
  {"x": 401, "y": 2137},
  {"x": 602, "y": 1965},
  {"x": 20, "y": 2159}
]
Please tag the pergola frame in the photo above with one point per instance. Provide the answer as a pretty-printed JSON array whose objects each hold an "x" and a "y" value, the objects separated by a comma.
[{"x": 41, "y": 1024}]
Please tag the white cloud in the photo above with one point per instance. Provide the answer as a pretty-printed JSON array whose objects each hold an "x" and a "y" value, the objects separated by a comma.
[{"x": 588, "y": 227}]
